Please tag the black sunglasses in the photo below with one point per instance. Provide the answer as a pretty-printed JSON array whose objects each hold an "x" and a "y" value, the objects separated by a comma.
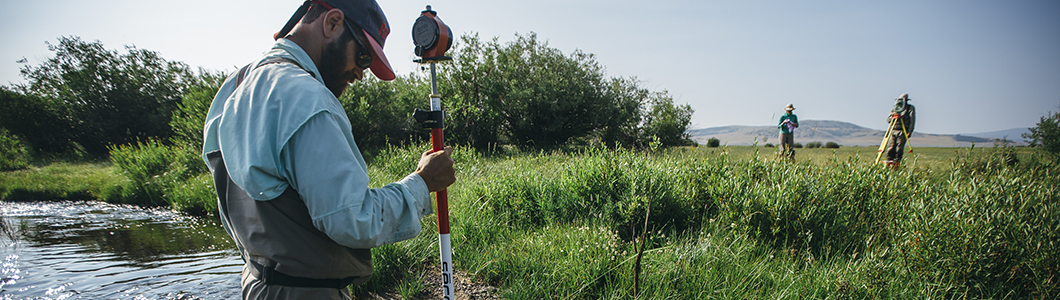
[{"x": 364, "y": 58}]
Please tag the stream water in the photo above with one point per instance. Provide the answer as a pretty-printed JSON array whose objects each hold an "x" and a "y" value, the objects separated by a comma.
[{"x": 93, "y": 250}]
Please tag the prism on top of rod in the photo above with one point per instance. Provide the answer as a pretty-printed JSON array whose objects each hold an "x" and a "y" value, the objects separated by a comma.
[{"x": 431, "y": 37}]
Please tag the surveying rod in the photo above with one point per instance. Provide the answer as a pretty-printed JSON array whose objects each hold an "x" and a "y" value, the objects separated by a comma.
[{"x": 432, "y": 39}]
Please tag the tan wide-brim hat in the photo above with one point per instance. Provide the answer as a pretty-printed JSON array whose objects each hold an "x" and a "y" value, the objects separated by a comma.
[{"x": 789, "y": 107}]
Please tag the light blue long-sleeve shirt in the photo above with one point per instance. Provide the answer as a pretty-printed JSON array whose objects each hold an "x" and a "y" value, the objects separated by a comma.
[{"x": 283, "y": 128}]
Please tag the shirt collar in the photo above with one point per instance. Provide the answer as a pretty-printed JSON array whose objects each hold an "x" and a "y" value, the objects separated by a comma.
[{"x": 289, "y": 49}]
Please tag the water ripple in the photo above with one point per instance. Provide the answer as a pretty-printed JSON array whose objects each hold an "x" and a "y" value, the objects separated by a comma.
[{"x": 92, "y": 250}]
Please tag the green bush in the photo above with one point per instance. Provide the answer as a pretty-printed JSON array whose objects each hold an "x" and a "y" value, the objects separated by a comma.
[
  {"x": 1046, "y": 134},
  {"x": 530, "y": 95},
  {"x": 831, "y": 145},
  {"x": 381, "y": 111},
  {"x": 189, "y": 117},
  {"x": 195, "y": 195},
  {"x": 162, "y": 175},
  {"x": 713, "y": 142},
  {"x": 40, "y": 122},
  {"x": 13, "y": 153},
  {"x": 104, "y": 97}
]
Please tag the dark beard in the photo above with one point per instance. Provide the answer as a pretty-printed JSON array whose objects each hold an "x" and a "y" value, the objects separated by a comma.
[{"x": 332, "y": 62}]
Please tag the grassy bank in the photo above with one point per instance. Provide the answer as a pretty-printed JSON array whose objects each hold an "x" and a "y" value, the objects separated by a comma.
[{"x": 58, "y": 181}]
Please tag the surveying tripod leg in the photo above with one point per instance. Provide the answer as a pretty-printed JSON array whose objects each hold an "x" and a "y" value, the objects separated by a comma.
[
  {"x": 906, "y": 133},
  {"x": 886, "y": 136}
]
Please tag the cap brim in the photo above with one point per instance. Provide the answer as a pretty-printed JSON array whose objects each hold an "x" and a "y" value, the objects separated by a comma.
[{"x": 380, "y": 65}]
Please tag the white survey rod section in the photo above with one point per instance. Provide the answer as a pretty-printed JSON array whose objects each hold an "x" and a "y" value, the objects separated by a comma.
[{"x": 447, "y": 266}]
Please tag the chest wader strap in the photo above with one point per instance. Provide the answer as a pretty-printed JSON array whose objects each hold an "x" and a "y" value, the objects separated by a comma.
[
  {"x": 275, "y": 60},
  {"x": 270, "y": 276}
]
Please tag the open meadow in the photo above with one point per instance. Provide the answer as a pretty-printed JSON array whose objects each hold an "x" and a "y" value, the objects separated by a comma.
[
  {"x": 935, "y": 158},
  {"x": 733, "y": 223}
]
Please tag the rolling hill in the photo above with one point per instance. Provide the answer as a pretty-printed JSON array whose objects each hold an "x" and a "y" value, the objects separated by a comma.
[{"x": 846, "y": 134}]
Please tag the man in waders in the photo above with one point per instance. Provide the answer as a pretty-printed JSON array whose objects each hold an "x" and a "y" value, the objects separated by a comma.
[
  {"x": 787, "y": 124},
  {"x": 901, "y": 119},
  {"x": 292, "y": 185}
]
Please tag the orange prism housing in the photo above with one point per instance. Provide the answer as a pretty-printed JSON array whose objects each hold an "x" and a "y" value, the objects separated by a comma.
[{"x": 431, "y": 36}]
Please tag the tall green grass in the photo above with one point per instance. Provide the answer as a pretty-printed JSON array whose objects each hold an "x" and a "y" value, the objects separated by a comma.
[
  {"x": 162, "y": 175},
  {"x": 561, "y": 226},
  {"x": 57, "y": 181}
]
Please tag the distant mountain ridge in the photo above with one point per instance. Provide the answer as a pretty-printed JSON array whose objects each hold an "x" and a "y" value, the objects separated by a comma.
[
  {"x": 846, "y": 134},
  {"x": 1010, "y": 134}
]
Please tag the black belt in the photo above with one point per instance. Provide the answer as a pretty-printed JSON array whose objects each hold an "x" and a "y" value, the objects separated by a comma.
[{"x": 270, "y": 276}]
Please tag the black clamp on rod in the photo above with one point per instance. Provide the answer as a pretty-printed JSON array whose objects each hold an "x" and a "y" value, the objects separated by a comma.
[{"x": 430, "y": 118}]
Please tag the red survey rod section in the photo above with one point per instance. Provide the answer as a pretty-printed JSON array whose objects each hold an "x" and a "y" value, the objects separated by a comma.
[
  {"x": 445, "y": 245},
  {"x": 438, "y": 143}
]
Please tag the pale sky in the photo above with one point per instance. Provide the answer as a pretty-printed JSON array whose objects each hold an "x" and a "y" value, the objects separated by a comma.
[{"x": 969, "y": 66}]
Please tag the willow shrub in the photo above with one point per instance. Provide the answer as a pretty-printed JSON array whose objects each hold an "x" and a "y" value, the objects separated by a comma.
[
  {"x": 832, "y": 210},
  {"x": 613, "y": 188},
  {"x": 160, "y": 174},
  {"x": 991, "y": 228},
  {"x": 13, "y": 153}
]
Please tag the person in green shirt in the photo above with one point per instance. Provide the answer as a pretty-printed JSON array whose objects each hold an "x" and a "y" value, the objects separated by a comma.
[{"x": 787, "y": 124}]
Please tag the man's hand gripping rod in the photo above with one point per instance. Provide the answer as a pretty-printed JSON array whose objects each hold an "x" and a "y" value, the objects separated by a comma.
[{"x": 432, "y": 39}]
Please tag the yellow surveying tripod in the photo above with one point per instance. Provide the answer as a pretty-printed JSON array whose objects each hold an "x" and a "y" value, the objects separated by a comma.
[{"x": 887, "y": 136}]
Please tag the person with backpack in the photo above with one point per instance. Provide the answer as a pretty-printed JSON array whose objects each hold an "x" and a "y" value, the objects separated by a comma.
[
  {"x": 902, "y": 120},
  {"x": 787, "y": 124},
  {"x": 291, "y": 183}
]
